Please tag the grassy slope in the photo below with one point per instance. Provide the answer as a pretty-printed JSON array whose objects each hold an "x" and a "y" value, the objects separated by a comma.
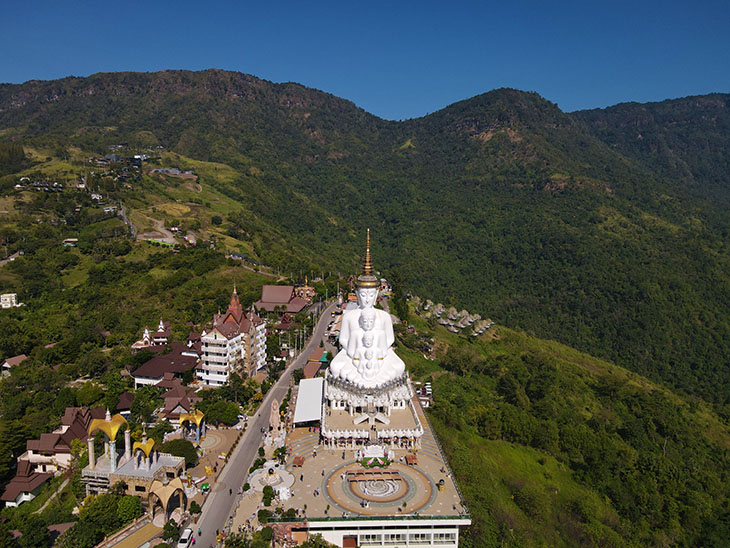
[{"x": 526, "y": 496}]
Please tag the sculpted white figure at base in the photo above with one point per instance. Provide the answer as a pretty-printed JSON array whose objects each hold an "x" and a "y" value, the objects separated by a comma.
[{"x": 366, "y": 337}]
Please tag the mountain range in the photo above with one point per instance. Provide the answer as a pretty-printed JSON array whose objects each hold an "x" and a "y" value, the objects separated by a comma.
[{"x": 603, "y": 229}]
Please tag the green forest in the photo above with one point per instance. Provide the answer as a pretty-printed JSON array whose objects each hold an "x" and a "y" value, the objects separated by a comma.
[
  {"x": 565, "y": 225},
  {"x": 597, "y": 241}
]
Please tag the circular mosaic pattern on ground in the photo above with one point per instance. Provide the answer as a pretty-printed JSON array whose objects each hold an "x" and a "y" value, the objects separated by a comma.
[
  {"x": 380, "y": 490},
  {"x": 349, "y": 486}
]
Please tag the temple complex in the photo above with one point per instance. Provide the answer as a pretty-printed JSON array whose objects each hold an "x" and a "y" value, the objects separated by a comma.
[
  {"x": 373, "y": 473},
  {"x": 146, "y": 473}
]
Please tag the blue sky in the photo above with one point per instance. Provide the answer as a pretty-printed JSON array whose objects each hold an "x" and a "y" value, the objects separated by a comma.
[{"x": 395, "y": 59}]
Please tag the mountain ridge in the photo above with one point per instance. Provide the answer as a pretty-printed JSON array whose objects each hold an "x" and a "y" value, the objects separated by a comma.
[{"x": 501, "y": 202}]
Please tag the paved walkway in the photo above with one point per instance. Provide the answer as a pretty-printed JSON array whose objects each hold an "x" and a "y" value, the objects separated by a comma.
[{"x": 139, "y": 537}]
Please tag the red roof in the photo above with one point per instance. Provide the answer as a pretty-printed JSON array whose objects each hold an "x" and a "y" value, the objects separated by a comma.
[
  {"x": 316, "y": 354},
  {"x": 125, "y": 401}
]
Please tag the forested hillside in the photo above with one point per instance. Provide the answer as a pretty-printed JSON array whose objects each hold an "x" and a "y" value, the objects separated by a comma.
[
  {"x": 570, "y": 450},
  {"x": 502, "y": 203}
]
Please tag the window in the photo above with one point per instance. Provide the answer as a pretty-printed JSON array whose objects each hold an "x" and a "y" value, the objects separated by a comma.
[
  {"x": 419, "y": 538},
  {"x": 444, "y": 538},
  {"x": 371, "y": 540},
  {"x": 394, "y": 538},
  {"x": 139, "y": 488}
]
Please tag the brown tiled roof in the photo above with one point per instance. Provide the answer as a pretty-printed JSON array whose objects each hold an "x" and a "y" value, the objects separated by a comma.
[
  {"x": 33, "y": 445},
  {"x": 316, "y": 354},
  {"x": 15, "y": 360},
  {"x": 169, "y": 381},
  {"x": 24, "y": 484},
  {"x": 311, "y": 369},
  {"x": 51, "y": 443},
  {"x": 280, "y": 294},
  {"x": 125, "y": 401},
  {"x": 174, "y": 362},
  {"x": 228, "y": 330},
  {"x": 98, "y": 412},
  {"x": 25, "y": 468}
]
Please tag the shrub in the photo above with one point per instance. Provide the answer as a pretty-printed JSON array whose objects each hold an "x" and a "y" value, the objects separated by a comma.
[{"x": 532, "y": 501}]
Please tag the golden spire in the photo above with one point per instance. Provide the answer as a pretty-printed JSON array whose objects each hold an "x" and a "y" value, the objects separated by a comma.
[
  {"x": 367, "y": 269},
  {"x": 367, "y": 278}
]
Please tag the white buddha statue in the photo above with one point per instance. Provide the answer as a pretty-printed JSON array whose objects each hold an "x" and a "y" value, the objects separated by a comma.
[{"x": 366, "y": 336}]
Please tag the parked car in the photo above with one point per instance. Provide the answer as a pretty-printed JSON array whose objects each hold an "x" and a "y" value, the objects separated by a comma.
[{"x": 186, "y": 539}]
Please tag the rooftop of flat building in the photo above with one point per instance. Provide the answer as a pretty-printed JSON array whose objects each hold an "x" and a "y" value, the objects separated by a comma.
[
  {"x": 164, "y": 462},
  {"x": 331, "y": 485}
]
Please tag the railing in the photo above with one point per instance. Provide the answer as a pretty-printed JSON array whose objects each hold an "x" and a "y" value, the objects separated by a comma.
[
  {"x": 414, "y": 517},
  {"x": 375, "y": 392}
]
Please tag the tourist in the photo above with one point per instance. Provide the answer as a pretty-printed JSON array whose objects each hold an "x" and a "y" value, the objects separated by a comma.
[{"x": 199, "y": 531}]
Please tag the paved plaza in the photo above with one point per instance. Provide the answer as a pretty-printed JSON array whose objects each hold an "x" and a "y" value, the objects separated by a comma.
[{"x": 330, "y": 486}]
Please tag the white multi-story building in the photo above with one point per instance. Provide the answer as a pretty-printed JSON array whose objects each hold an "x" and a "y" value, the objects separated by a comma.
[
  {"x": 234, "y": 341},
  {"x": 9, "y": 300}
]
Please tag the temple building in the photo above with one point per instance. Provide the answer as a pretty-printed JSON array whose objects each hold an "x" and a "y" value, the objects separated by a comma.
[
  {"x": 234, "y": 341},
  {"x": 384, "y": 479},
  {"x": 157, "y": 339},
  {"x": 306, "y": 291},
  {"x": 147, "y": 473}
]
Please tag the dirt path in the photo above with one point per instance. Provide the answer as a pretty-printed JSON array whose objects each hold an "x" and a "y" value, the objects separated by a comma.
[{"x": 160, "y": 233}]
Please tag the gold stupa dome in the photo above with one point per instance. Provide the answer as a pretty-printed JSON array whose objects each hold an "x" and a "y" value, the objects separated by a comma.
[{"x": 367, "y": 279}]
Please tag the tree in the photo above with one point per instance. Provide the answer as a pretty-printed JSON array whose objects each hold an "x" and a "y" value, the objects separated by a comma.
[
  {"x": 224, "y": 412},
  {"x": 89, "y": 394},
  {"x": 129, "y": 508},
  {"x": 238, "y": 540},
  {"x": 236, "y": 386},
  {"x": 195, "y": 508},
  {"x": 182, "y": 448},
  {"x": 216, "y": 220},
  {"x": 35, "y": 532},
  {"x": 146, "y": 401},
  {"x": 158, "y": 431},
  {"x": 170, "y": 531}
]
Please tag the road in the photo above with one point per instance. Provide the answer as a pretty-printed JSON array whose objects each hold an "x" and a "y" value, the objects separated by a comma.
[
  {"x": 220, "y": 504},
  {"x": 123, "y": 215}
]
